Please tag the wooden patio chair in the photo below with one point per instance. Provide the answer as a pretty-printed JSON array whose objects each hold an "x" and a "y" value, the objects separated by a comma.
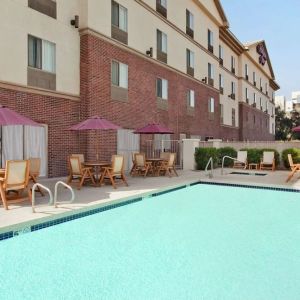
[
  {"x": 294, "y": 167},
  {"x": 116, "y": 171},
  {"x": 133, "y": 168},
  {"x": 141, "y": 166},
  {"x": 16, "y": 179},
  {"x": 34, "y": 171},
  {"x": 167, "y": 167},
  {"x": 77, "y": 171},
  {"x": 268, "y": 161},
  {"x": 165, "y": 155},
  {"x": 80, "y": 156},
  {"x": 241, "y": 161}
]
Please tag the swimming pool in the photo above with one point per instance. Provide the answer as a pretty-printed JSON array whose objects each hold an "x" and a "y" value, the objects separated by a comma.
[{"x": 201, "y": 242}]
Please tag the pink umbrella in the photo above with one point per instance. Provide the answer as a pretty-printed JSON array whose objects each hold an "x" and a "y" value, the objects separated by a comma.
[
  {"x": 95, "y": 123},
  {"x": 10, "y": 117},
  {"x": 296, "y": 129},
  {"x": 154, "y": 129}
]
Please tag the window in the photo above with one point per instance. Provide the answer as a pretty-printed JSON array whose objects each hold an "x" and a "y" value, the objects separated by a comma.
[
  {"x": 233, "y": 117},
  {"x": 190, "y": 62},
  {"x": 260, "y": 84},
  {"x": 246, "y": 72},
  {"x": 119, "y": 74},
  {"x": 233, "y": 64},
  {"x": 267, "y": 89},
  {"x": 41, "y": 63},
  {"x": 254, "y": 78},
  {"x": 47, "y": 7},
  {"x": 254, "y": 100},
  {"x": 162, "y": 46},
  {"x": 119, "y": 17},
  {"x": 191, "y": 98},
  {"x": 211, "y": 105},
  {"x": 161, "y": 7},
  {"x": 210, "y": 74},
  {"x": 210, "y": 39},
  {"x": 273, "y": 132},
  {"x": 221, "y": 114},
  {"x": 41, "y": 54},
  {"x": 260, "y": 104},
  {"x": 162, "y": 88},
  {"x": 247, "y": 95},
  {"x": 189, "y": 24},
  {"x": 221, "y": 84},
  {"x": 232, "y": 90},
  {"x": 221, "y": 55}
]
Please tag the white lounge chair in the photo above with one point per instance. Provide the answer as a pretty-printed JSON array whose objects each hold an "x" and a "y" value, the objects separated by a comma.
[
  {"x": 268, "y": 161},
  {"x": 241, "y": 160}
]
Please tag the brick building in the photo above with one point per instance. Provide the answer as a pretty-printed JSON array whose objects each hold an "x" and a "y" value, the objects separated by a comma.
[{"x": 132, "y": 62}]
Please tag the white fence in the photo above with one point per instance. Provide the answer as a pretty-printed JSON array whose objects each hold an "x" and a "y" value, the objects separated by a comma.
[
  {"x": 154, "y": 148},
  {"x": 189, "y": 146}
]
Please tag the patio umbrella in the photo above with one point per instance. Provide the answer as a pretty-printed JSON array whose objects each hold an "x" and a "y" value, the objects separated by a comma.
[
  {"x": 296, "y": 129},
  {"x": 95, "y": 123},
  {"x": 9, "y": 117},
  {"x": 153, "y": 128}
]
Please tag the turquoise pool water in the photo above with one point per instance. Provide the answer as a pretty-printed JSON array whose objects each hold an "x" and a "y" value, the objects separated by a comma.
[{"x": 202, "y": 242}]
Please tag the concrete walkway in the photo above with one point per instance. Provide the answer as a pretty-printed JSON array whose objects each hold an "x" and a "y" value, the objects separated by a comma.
[{"x": 20, "y": 215}]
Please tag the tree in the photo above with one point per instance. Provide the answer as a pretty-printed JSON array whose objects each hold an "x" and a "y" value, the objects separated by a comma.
[
  {"x": 295, "y": 121},
  {"x": 284, "y": 125}
]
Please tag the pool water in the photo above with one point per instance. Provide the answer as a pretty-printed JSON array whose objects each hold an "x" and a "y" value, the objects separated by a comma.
[{"x": 202, "y": 242}]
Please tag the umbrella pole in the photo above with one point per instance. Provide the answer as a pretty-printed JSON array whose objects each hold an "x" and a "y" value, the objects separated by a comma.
[{"x": 97, "y": 146}]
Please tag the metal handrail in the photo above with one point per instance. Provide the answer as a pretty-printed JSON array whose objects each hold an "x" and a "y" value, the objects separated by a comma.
[
  {"x": 55, "y": 192},
  {"x": 33, "y": 194},
  {"x": 233, "y": 158},
  {"x": 210, "y": 162}
]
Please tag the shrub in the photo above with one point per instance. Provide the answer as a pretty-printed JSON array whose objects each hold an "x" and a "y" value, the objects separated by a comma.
[
  {"x": 227, "y": 151},
  {"x": 295, "y": 155},
  {"x": 202, "y": 156},
  {"x": 255, "y": 155}
]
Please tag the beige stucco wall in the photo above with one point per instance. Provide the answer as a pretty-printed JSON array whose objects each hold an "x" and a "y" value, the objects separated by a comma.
[{"x": 17, "y": 21}]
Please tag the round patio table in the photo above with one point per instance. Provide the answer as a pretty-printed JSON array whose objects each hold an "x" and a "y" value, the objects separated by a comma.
[
  {"x": 97, "y": 166},
  {"x": 155, "y": 163}
]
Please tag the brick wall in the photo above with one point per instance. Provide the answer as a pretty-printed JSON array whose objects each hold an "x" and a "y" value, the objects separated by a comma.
[
  {"x": 141, "y": 107},
  {"x": 254, "y": 124},
  {"x": 58, "y": 114}
]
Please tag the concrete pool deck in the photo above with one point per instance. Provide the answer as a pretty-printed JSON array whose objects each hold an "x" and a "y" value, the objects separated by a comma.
[{"x": 20, "y": 215}]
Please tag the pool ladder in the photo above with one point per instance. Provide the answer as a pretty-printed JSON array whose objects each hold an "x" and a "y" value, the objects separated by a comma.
[
  {"x": 52, "y": 200},
  {"x": 211, "y": 163},
  {"x": 223, "y": 160}
]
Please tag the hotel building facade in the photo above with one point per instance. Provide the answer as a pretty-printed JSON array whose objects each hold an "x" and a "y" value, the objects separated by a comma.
[{"x": 133, "y": 62}]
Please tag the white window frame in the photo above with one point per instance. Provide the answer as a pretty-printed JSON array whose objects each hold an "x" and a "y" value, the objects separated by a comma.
[
  {"x": 211, "y": 105},
  {"x": 191, "y": 98}
]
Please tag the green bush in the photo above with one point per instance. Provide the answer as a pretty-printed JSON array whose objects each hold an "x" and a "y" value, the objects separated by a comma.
[
  {"x": 255, "y": 155},
  {"x": 227, "y": 151},
  {"x": 295, "y": 155},
  {"x": 202, "y": 156}
]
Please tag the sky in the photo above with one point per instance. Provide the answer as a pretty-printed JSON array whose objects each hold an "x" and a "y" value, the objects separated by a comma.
[{"x": 278, "y": 23}]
